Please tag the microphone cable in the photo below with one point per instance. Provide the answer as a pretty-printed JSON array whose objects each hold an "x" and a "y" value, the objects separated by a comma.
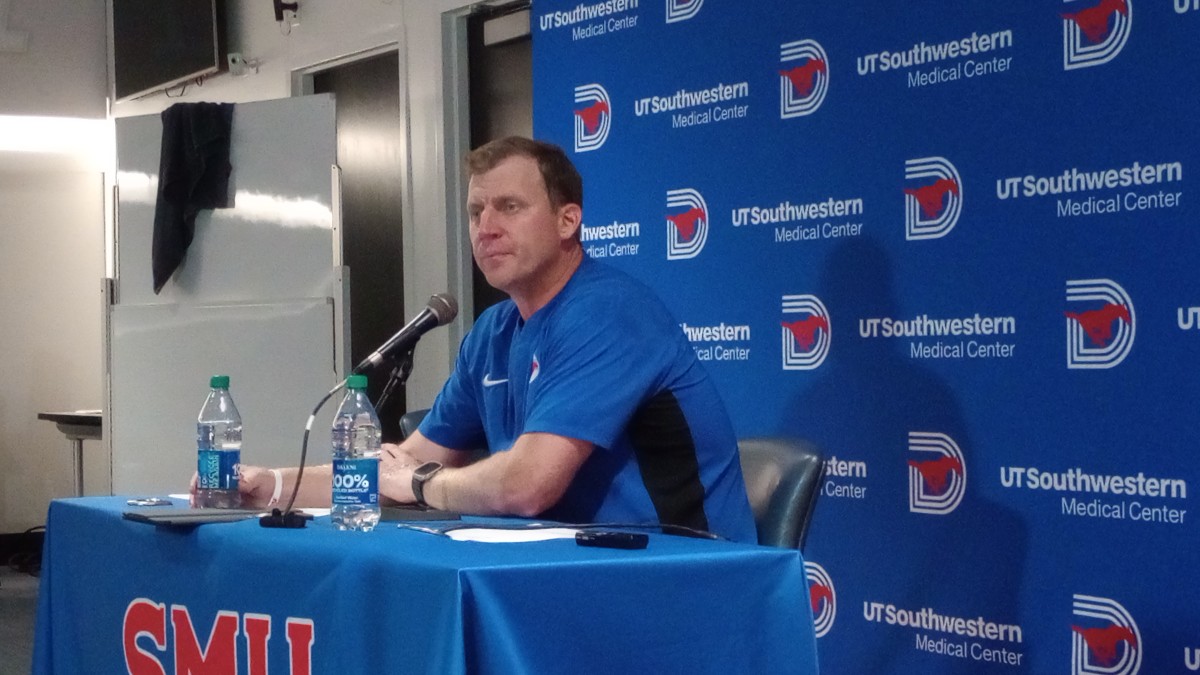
[{"x": 287, "y": 518}]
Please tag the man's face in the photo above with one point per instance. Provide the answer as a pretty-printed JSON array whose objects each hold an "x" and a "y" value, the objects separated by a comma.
[{"x": 516, "y": 235}]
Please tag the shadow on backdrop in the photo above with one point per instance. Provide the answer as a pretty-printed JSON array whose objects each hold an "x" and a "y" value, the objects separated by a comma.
[{"x": 861, "y": 405}]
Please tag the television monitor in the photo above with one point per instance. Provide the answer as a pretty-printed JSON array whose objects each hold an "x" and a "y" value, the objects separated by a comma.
[{"x": 159, "y": 44}]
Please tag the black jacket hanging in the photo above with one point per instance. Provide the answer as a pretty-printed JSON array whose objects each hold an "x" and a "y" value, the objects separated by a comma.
[{"x": 193, "y": 174}]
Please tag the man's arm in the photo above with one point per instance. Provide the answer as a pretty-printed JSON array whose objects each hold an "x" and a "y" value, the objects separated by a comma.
[
  {"x": 422, "y": 450},
  {"x": 256, "y": 484},
  {"x": 524, "y": 481},
  {"x": 316, "y": 488}
]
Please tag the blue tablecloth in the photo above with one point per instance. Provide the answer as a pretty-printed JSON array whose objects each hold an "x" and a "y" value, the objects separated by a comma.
[{"x": 116, "y": 593}]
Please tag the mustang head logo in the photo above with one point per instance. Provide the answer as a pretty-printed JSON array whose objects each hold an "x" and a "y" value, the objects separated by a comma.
[
  {"x": 1102, "y": 642},
  {"x": 932, "y": 198},
  {"x": 805, "y": 330},
  {"x": 1093, "y": 21},
  {"x": 802, "y": 77}
]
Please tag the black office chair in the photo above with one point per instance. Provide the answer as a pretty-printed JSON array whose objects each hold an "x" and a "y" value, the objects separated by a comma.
[
  {"x": 783, "y": 479},
  {"x": 410, "y": 420}
]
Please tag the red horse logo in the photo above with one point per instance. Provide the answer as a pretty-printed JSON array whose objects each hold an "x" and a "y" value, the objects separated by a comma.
[
  {"x": 805, "y": 330},
  {"x": 817, "y": 593},
  {"x": 935, "y": 472},
  {"x": 591, "y": 115},
  {"x": 686, "y": 222},
  {"x": 802, "y": 77},
  {"x": 1097, "y": 323},
  {"x": 1102, "y": 642},
  {"x": 1093, "y": 21},
  {"x": 932, "y": 197}
]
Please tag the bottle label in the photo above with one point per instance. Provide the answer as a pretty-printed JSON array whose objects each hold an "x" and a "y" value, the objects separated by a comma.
[
  {"x": 356, "y": 481},
  {"x": 218, "y": 470}
]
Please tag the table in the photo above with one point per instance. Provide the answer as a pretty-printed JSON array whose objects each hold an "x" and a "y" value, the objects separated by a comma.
[
  {"x": 77, "y": 426},
  {"x": 116, "y": 595}
]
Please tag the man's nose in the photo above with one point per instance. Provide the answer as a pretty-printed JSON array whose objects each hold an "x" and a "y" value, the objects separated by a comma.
[{"x": 487, "y": 225}]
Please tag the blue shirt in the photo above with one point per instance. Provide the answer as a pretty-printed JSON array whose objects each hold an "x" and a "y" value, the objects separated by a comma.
[{"x": 604, "y": 361}]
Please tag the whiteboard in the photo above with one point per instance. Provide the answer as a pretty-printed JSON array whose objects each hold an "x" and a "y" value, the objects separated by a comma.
[
  {"x": 279, "y": 357},
  {"x": 277, "y": 240},
  {"x": 260, "y": 297}
]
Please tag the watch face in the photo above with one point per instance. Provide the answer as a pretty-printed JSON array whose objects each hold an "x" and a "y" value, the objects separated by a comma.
[
  {"x": 420, "y": 475},
  {"x": 426, "y": 470}
]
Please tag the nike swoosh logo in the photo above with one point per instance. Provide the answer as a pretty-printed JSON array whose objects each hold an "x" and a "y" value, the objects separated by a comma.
[{"x": 489, "y": 382}]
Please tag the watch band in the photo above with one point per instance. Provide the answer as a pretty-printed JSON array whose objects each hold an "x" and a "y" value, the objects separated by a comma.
[{"x": 421, "y": 475}]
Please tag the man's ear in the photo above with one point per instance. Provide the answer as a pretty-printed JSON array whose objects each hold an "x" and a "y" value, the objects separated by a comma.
[{"x": 570, "y": 219}]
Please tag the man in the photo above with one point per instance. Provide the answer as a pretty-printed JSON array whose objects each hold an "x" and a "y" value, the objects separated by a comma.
[{"x": 582, "y": 385}]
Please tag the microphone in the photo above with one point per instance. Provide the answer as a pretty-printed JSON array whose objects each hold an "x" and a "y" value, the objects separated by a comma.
[{"x": 439, "y": 311}]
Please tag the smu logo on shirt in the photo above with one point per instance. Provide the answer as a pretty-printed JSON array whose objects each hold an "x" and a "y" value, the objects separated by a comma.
[
  {"x": 1094, "y": 34},
  {"x": 1106, "y": 640},
  {"x": 822, "y": 597},
  {"x": 535, "y": 369},
  {"x": 935, "y": 486},
  {"x": 593, "y": 117},
  {"x": 806, "y": 338},
  {"x": 682, "y": 10},
  {"x": 932, "y": 199},
  {"x": 1100, "y": 333},
  {"x": 803, "y": 86},
  {"x": 687, "y": 230}
]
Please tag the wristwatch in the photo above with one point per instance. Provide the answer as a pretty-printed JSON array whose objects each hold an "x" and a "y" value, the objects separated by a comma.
[{"x": 421, "y": 475}]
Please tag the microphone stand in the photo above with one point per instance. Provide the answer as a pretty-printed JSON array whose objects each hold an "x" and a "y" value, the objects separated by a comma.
[
  {"x": 401, "y": 371},
  {"x": 289, "y": 519}
]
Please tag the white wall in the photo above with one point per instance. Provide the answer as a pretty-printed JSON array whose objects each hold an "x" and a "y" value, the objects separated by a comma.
[
  {"x": 61, "y": 72},
  {"x": 51, "y": 250},
  {"x": 52, "y": 232},
  {"x": 51, "y": 244}
]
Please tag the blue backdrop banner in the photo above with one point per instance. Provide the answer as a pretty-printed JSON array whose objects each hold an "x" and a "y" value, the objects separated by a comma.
[{"x": 955, "y": 245}]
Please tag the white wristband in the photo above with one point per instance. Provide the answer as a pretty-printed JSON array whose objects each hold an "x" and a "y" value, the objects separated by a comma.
[{"x": 278, "y": 487}]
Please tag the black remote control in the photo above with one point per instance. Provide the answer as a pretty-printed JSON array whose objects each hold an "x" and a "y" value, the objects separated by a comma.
[{"x": 612, "y": 539}]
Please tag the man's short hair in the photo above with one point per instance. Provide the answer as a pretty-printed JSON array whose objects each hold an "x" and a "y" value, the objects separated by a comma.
[{"x": 563, "y": 183}]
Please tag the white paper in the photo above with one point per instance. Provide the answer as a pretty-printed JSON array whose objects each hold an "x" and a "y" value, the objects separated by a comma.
[{"x": 502, "y": 535}]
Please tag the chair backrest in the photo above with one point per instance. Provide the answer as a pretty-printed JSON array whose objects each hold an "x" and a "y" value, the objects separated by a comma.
[
  {"x": 410, "y": 420},
  {"x": 783, "y": 479}
]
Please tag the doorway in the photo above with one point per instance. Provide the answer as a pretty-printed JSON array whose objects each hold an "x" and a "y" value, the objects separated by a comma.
[
  {"x": 369, "y": 136},
  {"x": 500, "y": 85}
]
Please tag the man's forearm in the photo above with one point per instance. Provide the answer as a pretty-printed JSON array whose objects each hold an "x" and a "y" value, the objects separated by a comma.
[
  {"x": 523, "y": 481},
  {"x": 316, "y": 488},
  {"x": 462, "y": 489}
]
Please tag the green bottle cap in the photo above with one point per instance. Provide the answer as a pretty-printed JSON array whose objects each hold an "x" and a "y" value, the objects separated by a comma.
[
  {"x": 356, "y": 382},
  {"x": 219, "y": 382}
]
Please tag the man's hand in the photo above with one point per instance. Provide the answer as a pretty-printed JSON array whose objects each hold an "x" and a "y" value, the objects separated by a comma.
[
  {"x": 255, "y": 483},
  {"x": 395, "y": 474}
]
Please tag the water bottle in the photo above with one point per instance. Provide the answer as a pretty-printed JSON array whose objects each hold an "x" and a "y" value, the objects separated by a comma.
[
  {"x": 219, "y": 444},
  {"x": 355, "y": 460}
]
